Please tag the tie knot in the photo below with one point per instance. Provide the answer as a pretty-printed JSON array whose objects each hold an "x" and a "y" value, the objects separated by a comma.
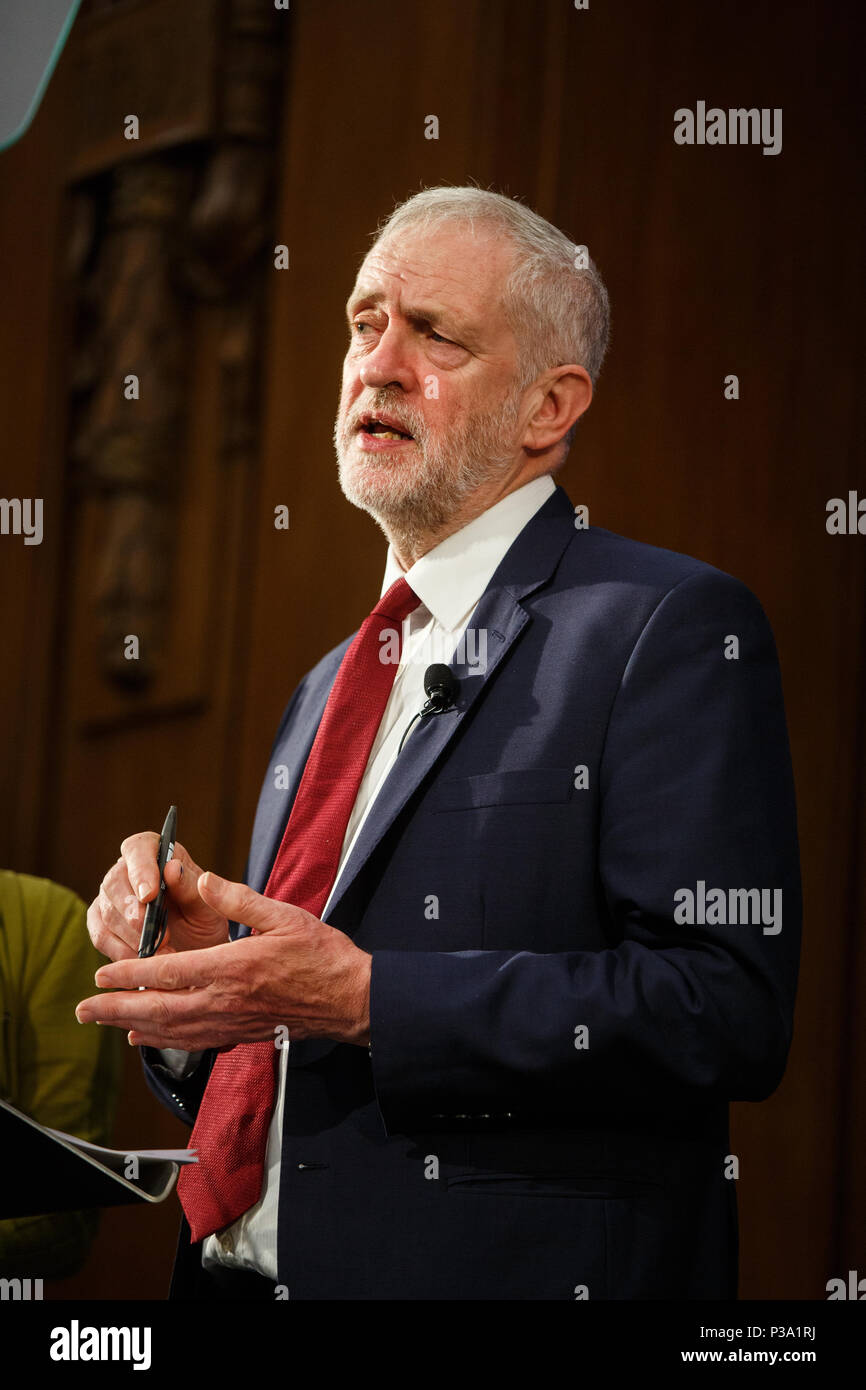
[{"x": 398, "y": 602}]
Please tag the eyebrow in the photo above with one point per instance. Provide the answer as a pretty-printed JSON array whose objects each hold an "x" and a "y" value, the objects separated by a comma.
[{"x": 426, "y": 316}]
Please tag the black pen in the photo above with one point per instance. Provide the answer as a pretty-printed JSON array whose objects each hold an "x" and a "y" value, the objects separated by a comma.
[{"x": 154, "y": 918}]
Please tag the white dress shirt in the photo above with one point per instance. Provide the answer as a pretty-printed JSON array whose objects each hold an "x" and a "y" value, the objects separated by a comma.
[{"x": 449, "y": 580}]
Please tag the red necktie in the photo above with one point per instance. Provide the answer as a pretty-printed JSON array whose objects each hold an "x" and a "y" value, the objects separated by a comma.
[{"x": 231, "y": 1129}]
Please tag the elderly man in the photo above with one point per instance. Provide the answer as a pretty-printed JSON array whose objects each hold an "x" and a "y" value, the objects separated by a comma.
[{"x": 526, "y": 938}]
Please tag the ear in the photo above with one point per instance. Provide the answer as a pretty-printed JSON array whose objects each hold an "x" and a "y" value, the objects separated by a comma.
[{"x": 563, "y": 394}]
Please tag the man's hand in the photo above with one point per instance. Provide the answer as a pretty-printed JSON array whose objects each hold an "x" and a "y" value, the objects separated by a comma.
[
  {"x": 115, "y": 917},
  {"x": 297, "y": 973}
]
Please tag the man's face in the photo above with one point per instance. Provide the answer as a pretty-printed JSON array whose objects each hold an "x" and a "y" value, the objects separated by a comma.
[{"x": 432, "y": 356}]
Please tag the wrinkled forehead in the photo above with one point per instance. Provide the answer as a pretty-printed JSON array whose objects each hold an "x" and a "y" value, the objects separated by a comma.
[{"x": 451, "y": 265}]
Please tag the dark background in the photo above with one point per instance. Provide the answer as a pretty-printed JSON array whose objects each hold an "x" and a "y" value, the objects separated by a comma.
[{"x": 155, "y": 256}]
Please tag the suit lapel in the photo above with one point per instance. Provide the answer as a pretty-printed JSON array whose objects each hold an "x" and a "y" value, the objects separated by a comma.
[
  {"x": 528, "y": 563},
  {"x": 290, "y": 750}
]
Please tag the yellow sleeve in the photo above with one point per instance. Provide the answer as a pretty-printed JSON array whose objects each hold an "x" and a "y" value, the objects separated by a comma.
[{"x": 62, "y": 1074}]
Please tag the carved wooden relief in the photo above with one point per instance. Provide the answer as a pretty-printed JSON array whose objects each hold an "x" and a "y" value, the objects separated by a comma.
[{"x": 171, "y": 185}]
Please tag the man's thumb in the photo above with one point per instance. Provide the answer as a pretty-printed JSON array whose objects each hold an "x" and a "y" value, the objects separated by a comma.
[{"x": 240, "y": 903}]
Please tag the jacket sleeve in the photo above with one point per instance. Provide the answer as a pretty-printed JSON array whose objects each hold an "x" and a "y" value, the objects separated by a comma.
[
  {"x": 696, "y": 806},
  {"x": 181, "y": 1095}
]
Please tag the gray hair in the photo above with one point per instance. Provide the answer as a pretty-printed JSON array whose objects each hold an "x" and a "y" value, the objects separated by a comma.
[{"x": 553, "y": 298}]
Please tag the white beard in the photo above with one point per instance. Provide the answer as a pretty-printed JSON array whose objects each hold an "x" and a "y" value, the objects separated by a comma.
[{"x": 412, "y": 500}]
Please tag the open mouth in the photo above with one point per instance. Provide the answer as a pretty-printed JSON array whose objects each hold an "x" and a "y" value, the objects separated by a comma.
[{"x": 383, "y": 429}]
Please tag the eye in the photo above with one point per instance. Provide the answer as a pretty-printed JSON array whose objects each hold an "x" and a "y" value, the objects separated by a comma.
[{"x": 439, "y": 339}]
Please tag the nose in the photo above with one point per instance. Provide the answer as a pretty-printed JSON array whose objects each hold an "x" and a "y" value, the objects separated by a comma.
[{"x": 388, "y": 364}]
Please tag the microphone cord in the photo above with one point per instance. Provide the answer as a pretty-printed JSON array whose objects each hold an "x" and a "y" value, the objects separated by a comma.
[{"x": 427, "y": 708}]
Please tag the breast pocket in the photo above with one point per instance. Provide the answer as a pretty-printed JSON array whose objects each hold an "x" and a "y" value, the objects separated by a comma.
[
  {"x": 521, "y": 834},
  {"x": 582, "y": 1184},
  {"x": 519, "y": 787}
]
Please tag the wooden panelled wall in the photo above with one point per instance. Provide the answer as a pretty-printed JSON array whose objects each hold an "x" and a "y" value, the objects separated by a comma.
[{"x": 303, "y": 128}]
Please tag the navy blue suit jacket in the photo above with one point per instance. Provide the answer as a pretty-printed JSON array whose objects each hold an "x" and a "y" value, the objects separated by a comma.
[{"x": 543, "y": 1112}]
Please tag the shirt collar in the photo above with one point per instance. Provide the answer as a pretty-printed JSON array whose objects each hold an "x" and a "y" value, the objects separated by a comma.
[{"x": 450, "y": 579}]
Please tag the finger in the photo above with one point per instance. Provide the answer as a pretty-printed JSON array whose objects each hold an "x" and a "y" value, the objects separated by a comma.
[
  {"x": 122, "y": 911},
  {"x": 151, "y": 1011},
  {"x": 242, "y": 904},
  {"x": 107, "y": 942},
  {"x": 192, "y": 1022},
  {"x": 139, "y": 853},
  {"x": 196, "y": 1043},
  {"x": 114, "y": 926},
  {"x": 199, "y": 1039},
  {"x": 181, "y": 970},
  {"x": 139, "y": 859},
  {"x": 181, "y": 879}
]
